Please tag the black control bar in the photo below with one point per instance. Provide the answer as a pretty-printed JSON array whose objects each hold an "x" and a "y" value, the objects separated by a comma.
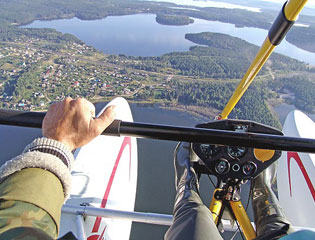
[{"x": 174, "y": 133}]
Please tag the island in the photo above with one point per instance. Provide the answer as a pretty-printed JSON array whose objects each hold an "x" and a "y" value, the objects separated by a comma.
[
  {"x": 40, "y": 66},
  {"x": 21, "y": 12},
  {"x": 175, "y": 20}
]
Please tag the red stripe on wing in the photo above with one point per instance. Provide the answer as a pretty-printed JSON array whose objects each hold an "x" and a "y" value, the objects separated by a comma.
[
  {"x": 298, "y": 160},
  {"x": 126, "y": 142}
]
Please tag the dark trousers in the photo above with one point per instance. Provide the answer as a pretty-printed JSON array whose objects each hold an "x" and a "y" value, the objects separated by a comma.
[{"x": 192, "y": 221}]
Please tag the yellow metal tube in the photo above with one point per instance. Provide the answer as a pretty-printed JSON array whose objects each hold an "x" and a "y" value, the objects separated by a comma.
[
  {"x": 291, "y": 11},
  {"x": 293, "y": 8},
  {"x": 243, "y": 220},
  {"x": 215, "y": 207},
  {"x": 261, "y": 57}
]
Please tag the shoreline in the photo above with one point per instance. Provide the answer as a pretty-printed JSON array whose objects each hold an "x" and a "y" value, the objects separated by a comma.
[
  {"x": 199, "y": 112},
  {"x": 192, "y": 16},
  {"x": 196, "y": 111}
]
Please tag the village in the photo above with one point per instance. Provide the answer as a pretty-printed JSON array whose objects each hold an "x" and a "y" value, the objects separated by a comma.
[{"x": 34, "y": 74}]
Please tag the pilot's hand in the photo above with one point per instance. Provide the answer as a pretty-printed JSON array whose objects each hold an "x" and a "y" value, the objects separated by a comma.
[{"x": 73, "y": 122}]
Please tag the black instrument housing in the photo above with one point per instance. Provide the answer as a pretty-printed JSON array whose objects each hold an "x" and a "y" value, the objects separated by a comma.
[{"x": 209, "y": 162}]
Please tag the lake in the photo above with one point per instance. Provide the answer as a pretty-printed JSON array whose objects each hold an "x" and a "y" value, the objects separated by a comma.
[
  {"x": 250, "y": 5},
  {"x": 155, "y": 167},
  {"x": 283, "y": 110},
  {"x": 215, "y": 4},
  {"x": 155, "y": 189},
  {"x": 141, "y": 35}
]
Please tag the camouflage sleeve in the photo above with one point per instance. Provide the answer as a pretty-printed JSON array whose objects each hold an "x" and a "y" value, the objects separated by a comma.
[
  {"x": 19, "y": 219},
  {"x": 31, "y": 199}
]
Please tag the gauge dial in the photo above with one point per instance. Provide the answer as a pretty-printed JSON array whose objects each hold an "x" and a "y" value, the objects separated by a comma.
[
  {"x": 209, "y": 150},
  {"x": 222, "y": 167},
  {"x": 249, "y": 168},
  {"x": 236, "y": 167},
  {"x": 236, "y": 152}
]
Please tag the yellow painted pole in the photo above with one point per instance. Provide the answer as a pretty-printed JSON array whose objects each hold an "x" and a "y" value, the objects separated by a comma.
[
  {"x": 215, "y": 207},
  {"x": 293, "y": 8},
  {"x": 280, "y": 27},
  {"x": 242, "y": 218},
  {"x": 261, "y": 57}
]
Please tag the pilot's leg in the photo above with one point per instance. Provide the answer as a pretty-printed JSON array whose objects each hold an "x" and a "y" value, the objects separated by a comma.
[
  {"x": 270, "y": 220},
  {"x": 192, "y": 219}
]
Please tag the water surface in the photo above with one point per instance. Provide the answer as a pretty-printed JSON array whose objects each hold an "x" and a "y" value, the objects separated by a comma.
[
  {"x": 214, "y": 4},
  {"x": 283, "y": 110},
  {"x": 141, "y": 35},
  {"x": 250, "y": 5},
  {"x": 155, "y": 188}
]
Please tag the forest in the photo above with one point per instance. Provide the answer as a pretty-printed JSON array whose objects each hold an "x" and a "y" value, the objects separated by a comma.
[
  {"x": 225, "y": 57},
  {"x": 205, "y": 76},
  {"x": 11, "y": 34},
  {"x": 303, "y": 37},
  {"x": 302, "y": 88},
  {"x": 252, "y": 106},
  {"x": 26, "y": 11},
  {"x": 175, "y": 20}
]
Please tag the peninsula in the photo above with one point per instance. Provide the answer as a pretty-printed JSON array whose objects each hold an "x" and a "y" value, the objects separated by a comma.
[{"x": 40, "y": 66}]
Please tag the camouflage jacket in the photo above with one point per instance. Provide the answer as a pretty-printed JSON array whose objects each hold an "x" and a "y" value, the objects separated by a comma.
[
  {"x": 30, "y": 198},
  {"x": 32, "y": 192}
]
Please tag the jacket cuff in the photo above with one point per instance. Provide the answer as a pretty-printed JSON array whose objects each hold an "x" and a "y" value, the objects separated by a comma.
[
  {"x": 36, "y": 155},
  {"x": 53, "y": 147}
]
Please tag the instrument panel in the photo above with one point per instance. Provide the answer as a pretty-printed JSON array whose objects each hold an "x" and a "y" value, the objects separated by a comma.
[{"x": 235, "y": 162}]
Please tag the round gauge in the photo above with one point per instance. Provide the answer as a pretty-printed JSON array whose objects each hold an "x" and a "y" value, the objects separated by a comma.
[
  {"x": 209, "y": 150},
  {"x": 249, "y": 168},
  {"x": 236, "y": 152},
  {"x": 236, "y": 167},
  {"x": 222, "y": 167}
]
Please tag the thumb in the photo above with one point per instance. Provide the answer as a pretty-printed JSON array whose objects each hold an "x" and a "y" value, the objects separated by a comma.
[{"x": 104, "y": 120}]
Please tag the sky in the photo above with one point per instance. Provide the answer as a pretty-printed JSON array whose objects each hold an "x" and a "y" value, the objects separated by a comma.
[
  {"x": 310, "y": 3},
  {"x": 250, "y": 5}
]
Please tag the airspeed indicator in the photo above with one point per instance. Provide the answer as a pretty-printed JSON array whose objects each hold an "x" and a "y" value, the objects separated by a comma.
[{"x": 236, "y": 152}]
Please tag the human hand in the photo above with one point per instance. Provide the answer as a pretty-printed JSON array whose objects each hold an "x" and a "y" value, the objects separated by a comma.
[{"x": 73, "y": 122}]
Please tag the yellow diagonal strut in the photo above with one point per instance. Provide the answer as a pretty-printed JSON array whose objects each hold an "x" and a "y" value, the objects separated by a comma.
[
  {"x": 243, "y": 219},
  {"x": 216, "y": 206},
  {"x": 291, "y": 11}
]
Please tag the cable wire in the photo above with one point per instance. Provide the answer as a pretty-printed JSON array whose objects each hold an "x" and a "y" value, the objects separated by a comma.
[
  {"x": 237, "y": 230},
  {"x": 250, "y": 193},
  {"x": 211, "y": 180}
]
